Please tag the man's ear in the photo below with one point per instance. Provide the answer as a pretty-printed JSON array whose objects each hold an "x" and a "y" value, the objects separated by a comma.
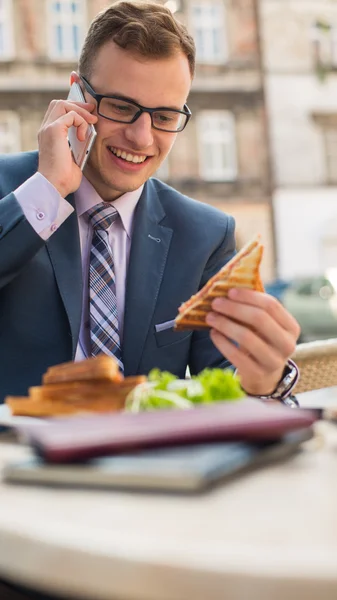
[{"x": 74, "y": 77}]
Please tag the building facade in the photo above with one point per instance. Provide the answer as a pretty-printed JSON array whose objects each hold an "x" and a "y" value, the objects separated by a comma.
[
  {"x": 300, "y": 69},
  {"x": 221, "y": 158}
]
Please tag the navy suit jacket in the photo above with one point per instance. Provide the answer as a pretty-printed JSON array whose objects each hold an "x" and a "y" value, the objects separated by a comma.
[{"x": 177, "y": 245}]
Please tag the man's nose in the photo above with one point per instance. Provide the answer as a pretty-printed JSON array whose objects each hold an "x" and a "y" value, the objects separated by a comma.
[{"x": 140, "y": 133}]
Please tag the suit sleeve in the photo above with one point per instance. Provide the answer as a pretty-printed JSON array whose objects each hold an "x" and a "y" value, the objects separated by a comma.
[
  {"x": 203, "y": 353},
  {"x": 18, "y": 240},
  {"x": 28, "y": 217}
]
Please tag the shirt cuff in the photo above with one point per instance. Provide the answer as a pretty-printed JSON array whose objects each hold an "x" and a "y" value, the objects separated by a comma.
[{"x": 43, "y": 206}]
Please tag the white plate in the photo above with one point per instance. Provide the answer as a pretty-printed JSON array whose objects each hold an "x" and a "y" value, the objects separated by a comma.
[{"x": 8, "y": 420}]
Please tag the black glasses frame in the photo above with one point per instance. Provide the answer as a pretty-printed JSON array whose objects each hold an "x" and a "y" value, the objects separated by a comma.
[{"x": 141, "y": 109}]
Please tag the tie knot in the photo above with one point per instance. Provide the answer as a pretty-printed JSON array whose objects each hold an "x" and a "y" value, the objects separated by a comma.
[{"x": 102, "y": 216}]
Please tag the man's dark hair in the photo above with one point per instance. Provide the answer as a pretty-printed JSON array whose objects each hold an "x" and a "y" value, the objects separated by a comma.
[{"x": 145, "y": 28}]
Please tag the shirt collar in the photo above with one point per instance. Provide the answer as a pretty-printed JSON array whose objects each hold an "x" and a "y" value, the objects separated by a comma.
[{"x": 86, "y": 197}]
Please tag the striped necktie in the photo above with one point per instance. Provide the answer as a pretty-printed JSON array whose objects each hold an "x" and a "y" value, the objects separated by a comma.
[{"x": 104, "y": 333}]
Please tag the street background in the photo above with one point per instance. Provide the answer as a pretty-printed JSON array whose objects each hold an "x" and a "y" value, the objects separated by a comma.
[{"x": 262, "y": 142}]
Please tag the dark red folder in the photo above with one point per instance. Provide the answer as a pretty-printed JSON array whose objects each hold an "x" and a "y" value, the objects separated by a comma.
[{"x": 79, "y": 438}]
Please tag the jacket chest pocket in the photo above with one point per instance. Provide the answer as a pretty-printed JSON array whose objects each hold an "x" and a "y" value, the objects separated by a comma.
[{"x": 165, "y": 334}]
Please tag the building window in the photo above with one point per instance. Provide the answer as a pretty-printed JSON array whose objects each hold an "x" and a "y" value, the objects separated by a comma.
[
  {"x": 330, "y": 136},
  {"x": 66, "y": 28},
  {"x": 9, "y": 132},
  {"x": 333, "y": 37},
  {"x": 327, "y": 124},
  {"x": 209, "y": 27},
  {"x": 217, "y": 146},
  {"x": 6, "y": 30},
  {"x": 324, "y": 39}
]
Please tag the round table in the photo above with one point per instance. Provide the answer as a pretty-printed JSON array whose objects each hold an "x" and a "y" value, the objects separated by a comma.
[{"x": 269, "y": 534}]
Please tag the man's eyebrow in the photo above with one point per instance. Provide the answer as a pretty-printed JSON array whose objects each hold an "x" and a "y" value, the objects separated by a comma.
[{"x": 128, "y": 99}]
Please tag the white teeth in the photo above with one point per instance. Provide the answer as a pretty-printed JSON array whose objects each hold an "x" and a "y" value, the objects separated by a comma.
[{"x": 129, "y": 157}]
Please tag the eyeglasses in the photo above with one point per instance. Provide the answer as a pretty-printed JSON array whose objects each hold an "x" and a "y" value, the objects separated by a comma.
[{"x": 120, "y": 110}]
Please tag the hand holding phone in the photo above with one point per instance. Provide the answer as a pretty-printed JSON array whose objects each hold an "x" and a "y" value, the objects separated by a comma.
[
  {"x": 62, "y": 156},
  {"x": 80, "y": 149}
]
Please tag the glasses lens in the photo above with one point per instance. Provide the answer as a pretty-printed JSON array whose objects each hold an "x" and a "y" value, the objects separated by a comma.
[
  {"x": 169, "y": 120},
  {"x": 112, "y": 108}
]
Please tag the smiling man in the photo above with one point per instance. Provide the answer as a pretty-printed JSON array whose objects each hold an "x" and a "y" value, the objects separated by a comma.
[
  {"x": 126, "y": 155},
  {"x": 100, "y": 261}
]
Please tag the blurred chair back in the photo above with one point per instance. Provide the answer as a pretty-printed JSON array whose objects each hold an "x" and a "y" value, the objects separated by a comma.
[{"x": 317, "y": 362}]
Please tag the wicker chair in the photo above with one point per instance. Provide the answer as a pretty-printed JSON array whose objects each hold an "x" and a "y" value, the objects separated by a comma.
[{"x": 317, "y": 362}]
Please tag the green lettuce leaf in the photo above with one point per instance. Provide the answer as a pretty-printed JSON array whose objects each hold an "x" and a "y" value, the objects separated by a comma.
[{"x": 165, "y": 390}]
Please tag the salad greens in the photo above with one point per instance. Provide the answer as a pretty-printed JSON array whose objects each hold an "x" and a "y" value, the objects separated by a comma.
[{"x": 165, "y": 390}]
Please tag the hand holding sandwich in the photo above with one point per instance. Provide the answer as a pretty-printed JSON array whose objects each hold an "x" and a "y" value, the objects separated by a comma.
[
  {"x": 256, "y": 334},
  {"x": 250, "y": 328}
]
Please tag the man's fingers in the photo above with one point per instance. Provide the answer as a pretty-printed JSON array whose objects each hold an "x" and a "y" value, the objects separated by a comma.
[
  {"x": 239, "y": 301},
  {"x": 242, "y": 360},
  {"x": 255, "y": 319},
  {"x": 255, "y": 378},
  {"x": 58, "y": 108},
  {"x": 89, "y": 106},
  {"x": 256, "y": 334},
  {"x": 67, "y": 107},
  {"x": 73, "y": 119},
  {"x": 251, "y": 343},
  {"x": 63, "y": 123}
]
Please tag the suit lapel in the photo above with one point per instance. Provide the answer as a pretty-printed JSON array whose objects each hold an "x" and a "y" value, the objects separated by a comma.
[
  {"x": 149, "y": 250},
  {"x": 65, "y": 254}
]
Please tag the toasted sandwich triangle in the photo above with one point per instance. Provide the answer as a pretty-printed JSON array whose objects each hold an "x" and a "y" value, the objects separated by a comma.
[{"x": 241, "y": 271}]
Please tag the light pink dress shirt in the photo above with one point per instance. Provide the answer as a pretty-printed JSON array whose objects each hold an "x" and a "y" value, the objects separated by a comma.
[{"x": 46, "y": 210}]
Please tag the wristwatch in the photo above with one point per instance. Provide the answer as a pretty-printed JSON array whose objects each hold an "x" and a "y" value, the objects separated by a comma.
[{"x": 283, "y": 390}]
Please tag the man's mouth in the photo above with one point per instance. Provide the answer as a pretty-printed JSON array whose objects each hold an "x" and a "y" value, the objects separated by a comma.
[{"x": 128, "y": 156}]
